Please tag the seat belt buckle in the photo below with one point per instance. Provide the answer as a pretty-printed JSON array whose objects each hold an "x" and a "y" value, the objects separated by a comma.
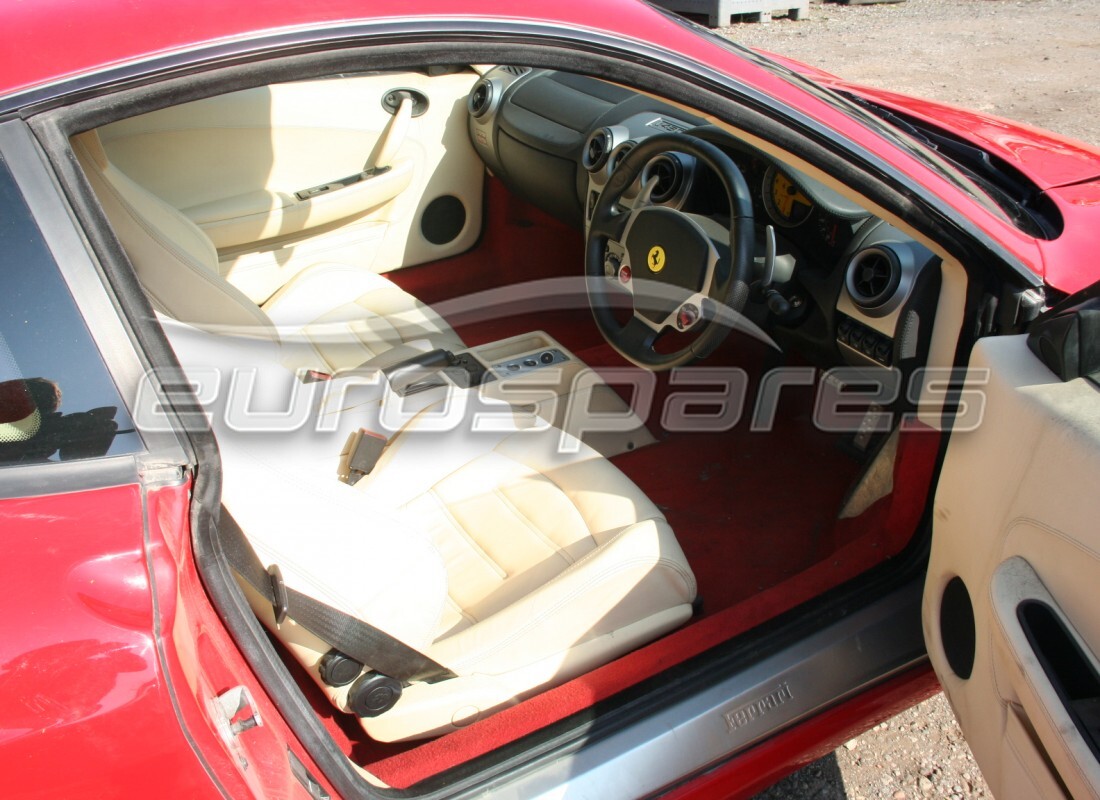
[
  {"x": 280, "y": 602},
  {"x": 361, "y": 453},
  {"x": 315, "y": 376}
]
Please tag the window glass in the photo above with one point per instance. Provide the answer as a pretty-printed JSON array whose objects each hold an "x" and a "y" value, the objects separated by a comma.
[{"x": 57, "y": 400}]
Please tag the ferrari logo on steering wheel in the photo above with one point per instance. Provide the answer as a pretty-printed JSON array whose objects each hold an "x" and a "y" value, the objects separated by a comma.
[{"x": 656, "y": 258}]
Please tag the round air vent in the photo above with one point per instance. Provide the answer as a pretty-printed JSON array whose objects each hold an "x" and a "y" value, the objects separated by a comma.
[
  {"x": 668, "y": 172},
  {"x": 596, "y": 150},
  {"x": 480, "y": 98},
  {"x": 619, "y": 153},
  {"x": 874, "y": 276}
]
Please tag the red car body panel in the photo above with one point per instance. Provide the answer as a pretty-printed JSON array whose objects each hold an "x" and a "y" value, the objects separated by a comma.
[
  {"x": 1046, "y": 158},
  {"x": 201, "y": 661},
  {"x": 1067, "y": 259},
  {"x": 113, "y": 654},
  {"x": 90, "y": 36},
  {"x": 84, "y": 709}
]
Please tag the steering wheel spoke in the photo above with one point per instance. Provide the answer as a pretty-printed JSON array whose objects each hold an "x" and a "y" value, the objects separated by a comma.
[
  {"x": 645, "y": 197},
  {"x": 637, "y": 336},
  {"x": 611, "y": 226}
]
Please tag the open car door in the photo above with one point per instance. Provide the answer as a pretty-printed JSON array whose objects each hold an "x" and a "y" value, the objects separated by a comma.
[{"x": 1012, "y": 600}]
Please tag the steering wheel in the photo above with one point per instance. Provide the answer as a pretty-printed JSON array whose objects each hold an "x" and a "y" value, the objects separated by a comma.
[{"x": 677, "y": 275}]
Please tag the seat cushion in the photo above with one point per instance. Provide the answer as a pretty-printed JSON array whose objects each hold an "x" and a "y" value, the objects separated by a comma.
[{"x": 556, "y": 562}]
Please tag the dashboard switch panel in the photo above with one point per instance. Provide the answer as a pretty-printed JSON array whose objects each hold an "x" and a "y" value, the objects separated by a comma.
[{"x": 865, "y": 341}]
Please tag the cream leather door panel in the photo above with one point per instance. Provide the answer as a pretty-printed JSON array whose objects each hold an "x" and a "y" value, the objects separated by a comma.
[
  {"x": 1013, "y": 588},
  {"x": 288, "y": 174}
]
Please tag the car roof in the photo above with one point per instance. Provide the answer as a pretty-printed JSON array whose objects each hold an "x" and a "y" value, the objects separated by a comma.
[{"x": 44, "y": 42}]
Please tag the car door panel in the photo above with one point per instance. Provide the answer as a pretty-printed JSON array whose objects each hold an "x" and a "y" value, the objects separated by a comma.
[
  {"x": 1015, "y": 526},
  {"x": 280, "y": 175},
  {"x": 253, "y": 216},
  {"x": 1042, "y": 711}
]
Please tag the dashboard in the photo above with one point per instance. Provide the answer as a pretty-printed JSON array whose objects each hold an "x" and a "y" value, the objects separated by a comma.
[{"x": 843, "y": 287}]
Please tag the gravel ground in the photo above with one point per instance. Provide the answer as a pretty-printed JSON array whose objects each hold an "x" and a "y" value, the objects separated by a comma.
[
  {"x": 918, "y": 754},
  {"x": 1029, "y": 60}
]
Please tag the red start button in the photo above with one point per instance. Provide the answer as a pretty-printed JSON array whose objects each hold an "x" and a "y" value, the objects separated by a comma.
[
  {"x": 624, "y": 274},
  {"x": 687, "y": 316}
]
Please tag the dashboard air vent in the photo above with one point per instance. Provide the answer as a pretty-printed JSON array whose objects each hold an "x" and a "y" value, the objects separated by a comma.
[
  {"x": 480, "y": 98},
  {"x": 596, "y": 150},
  {"x": 517, "y": 71},
  {"x": 873, "y": 277},
  {"x": 669, "y": 175},
  {"x": 619, "y": 153}
]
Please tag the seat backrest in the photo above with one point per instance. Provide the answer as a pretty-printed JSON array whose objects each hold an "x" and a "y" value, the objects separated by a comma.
[{"x": 175, "y": 261}]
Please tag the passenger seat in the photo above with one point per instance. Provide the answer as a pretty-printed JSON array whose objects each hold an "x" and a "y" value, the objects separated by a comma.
[{"x": 328, "y": 317}]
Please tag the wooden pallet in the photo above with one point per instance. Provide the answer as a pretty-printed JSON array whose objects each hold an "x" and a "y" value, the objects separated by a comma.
[{"x": 718, "y": 12}]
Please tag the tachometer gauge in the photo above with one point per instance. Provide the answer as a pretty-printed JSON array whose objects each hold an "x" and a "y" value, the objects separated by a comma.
[{"x": 784, "y": 201}]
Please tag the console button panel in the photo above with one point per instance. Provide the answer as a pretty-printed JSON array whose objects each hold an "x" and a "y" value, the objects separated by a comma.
[{"x": 530, "y": 362}]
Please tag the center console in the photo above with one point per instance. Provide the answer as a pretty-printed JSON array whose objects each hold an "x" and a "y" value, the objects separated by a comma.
[{"x": 535, "y": 374}]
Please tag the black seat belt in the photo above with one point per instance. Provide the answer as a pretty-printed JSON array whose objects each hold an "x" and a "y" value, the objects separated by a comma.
[{"x": 350, "y": 635}]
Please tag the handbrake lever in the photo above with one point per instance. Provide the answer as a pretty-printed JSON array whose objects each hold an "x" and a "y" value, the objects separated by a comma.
[{"x": 405, "y": 376}]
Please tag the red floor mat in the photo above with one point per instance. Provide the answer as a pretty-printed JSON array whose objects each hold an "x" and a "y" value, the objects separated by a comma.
[{"x": 750, "y": 509}]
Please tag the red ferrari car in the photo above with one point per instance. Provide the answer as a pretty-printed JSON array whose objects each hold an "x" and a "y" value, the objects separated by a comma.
[{"x": 472, "y": 399}]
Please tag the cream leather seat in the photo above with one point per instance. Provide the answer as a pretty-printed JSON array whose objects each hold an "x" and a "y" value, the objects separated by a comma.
[
  {"x": 329, "y": 316},
  {"x": 517, "y": 558}
]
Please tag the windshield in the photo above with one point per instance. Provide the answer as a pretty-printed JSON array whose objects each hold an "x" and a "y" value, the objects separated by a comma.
[
  {"x": 978, "y": 184},
  {"x": 1012, "y": 191}
]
